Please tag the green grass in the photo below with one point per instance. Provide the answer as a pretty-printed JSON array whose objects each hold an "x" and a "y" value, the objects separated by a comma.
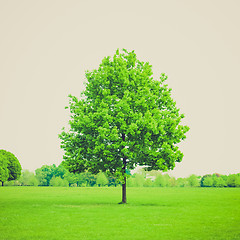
[{"x": 93, "y": 213}]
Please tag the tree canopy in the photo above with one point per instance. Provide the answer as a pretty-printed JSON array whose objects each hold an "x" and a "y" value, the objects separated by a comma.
[
  {"x": 10, "y": 168},
  {"x": 124, "y": 118}
]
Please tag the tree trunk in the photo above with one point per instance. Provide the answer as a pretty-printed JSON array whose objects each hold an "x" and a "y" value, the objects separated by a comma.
[
  {"x": 124, "y": 195},
  {"x": 124, "y": 184},
  {"x": 2, "y": 184}
]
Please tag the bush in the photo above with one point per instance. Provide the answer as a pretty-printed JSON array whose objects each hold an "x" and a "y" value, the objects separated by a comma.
[
  {"x": 28, "y": 179},
  {"x": 207, "y": 182},
  {"x": 233, "y": 180},
  {"x": 182, "y": 182},
  {"x": 102, "y": 179},
  {"x": 58, "y": 182},
  {"x": 193, "y": 181},
  {"x": 148, "y": 183}
]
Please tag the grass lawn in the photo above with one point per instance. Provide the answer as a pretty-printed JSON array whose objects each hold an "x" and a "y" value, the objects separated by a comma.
[{"x": 93, "y": 213}]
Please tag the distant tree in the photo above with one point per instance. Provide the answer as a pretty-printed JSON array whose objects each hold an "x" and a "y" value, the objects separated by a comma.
[
  {"x": 112, "y": 181},
  {"x": 131, "y": 182},
  {"x": 193, "y": 181},
  {"x": 102, "y": 179},
  {"x": 58, "y": 182},
  {"x": 202, "y": 179},
  {"x": 148, "y": 183},
  {"x": 218, "y": 180},
  {"x": 182, "y": 182},
  {"x": 124, "y": 118},
  {"x": 233, "y": 180},
  {"x": 70, "y": 177},
  {"x": 28, "y": 179},
  {"x": 207, "y": 182},
  {"x": 60, "y": 171},
  {"x": 10, "y": 168},
  {"x": 138, "y": 180},
  {"x": 172, "y": 182},
  {"x": 159, "y": 181},
  {"x": 86, "y": 179},
  {"x": 45, "y": 174},
  {"x": 3, "y": 168},
  {"x": 162, "y": 180}
]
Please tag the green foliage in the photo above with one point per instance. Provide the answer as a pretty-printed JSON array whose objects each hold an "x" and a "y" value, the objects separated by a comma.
[
  {"x": 162, "y": 180},
  {"x": 138, "y": 180},
  {"x": 112, "y": 181},
  {"x": 148, "y": 183},
  {"x": 172, "y": 182},
  {"x": 86, "y": 179},
  {"x": 45, "y": 174},
  {"x": 70, "y": 177},
  {"x": 233, "y": 180},
  {"x": 124, "y": 118},
  {"x": 207, "y": 182},
  {"x": 218, "y": 180},
  {"x": 130, "y": 182},
  {"x": 102, "y": 179},
  {"x": 28, "y": 179},
  {"x": 10, "y": 168},
  {"x": 58, "y": 182},
  {"x": 182, "y": 182},
  {"x": 4, "y": 173},
  {"x": 193, "y": 181}
]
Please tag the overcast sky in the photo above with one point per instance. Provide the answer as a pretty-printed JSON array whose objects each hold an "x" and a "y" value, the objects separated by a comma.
[{"x": 46, "y": 46}]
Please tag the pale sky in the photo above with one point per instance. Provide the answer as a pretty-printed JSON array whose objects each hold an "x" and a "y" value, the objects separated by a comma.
[{"x": 46, "y": 47}]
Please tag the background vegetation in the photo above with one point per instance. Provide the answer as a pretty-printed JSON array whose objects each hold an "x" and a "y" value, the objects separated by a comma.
[{"x": 58, "y": 176}]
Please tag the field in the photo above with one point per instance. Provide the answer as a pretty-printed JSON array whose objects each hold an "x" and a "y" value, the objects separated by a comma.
[{"x": 93, "y": 213}]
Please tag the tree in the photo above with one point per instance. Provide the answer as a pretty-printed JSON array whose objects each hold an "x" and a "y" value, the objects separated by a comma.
[
  {"x": 233, "y": 180},
  {"x": 138, "y": 180},
  {"x": 218, "y": 180},
  {"x": 10, "y": 168},
  {"x": 193, "y": 181},
  {"x": 3, "y": 168},
  {"x": 148, "y": 183},
  {"x": 207, "y": 182},
  {"x": 102, "y": 179},
  {"x": 70, "y": 177},
  {"x": 58, "y": 182},
  {"x": 28, "y": 179},
  {"x": 45, "y": 174},
  {"x": 203, "y": 178},
  {"x": 161, "y": 181},
  {"x": 124, "y": 118},
  {"x": 182, "y": 182}
]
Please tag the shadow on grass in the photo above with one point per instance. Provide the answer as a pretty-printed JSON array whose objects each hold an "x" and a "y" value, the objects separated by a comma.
[{"x": 111, "y": 204}]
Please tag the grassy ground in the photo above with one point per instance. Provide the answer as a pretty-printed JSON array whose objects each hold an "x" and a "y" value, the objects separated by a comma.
[{"x": 93, "y": 213}]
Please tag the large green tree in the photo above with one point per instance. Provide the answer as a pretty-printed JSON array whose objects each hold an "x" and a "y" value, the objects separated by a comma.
[
  {"x": 10, "y": 168},
  {"x": 124, "y": 118}
]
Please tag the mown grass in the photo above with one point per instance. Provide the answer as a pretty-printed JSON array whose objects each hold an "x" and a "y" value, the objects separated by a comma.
[{"x": 93, "y": 213}]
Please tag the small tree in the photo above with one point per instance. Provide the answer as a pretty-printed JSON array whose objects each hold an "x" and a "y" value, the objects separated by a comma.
[
  {"x": 148, "y": 183},
  {"x": 207, "y": 182},
  {"x": 10, "y": 168},
  {"x": 102, "y": 179},
  {"x": 45, "y": 174},
  {"x": 125, "y": 118},
  {"x": 3, "y": 168},
  {"x": 193, "y": 181},
  {"x": 28, "y": 179},
  {"x": 58, "y": 182},
  {"x": 233, "y": 180}
]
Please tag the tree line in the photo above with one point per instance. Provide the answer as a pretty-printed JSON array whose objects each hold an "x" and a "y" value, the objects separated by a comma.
[{"x": 59, "y": 176}]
